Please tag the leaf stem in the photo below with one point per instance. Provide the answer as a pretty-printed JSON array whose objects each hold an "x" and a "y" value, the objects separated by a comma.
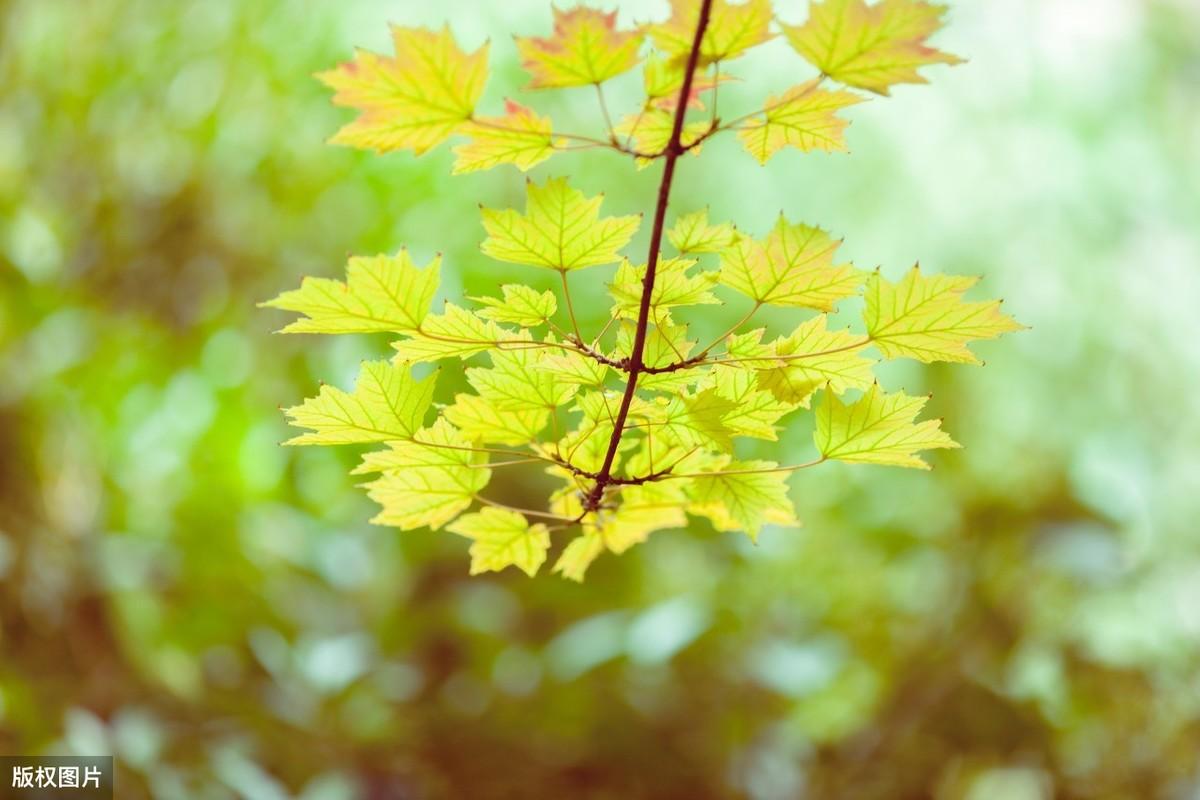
[
  {"x": 766, "y": 471},
  {"x": 570, "y": 305},
  {"x": 674, "y": 150},
  {"x": 526, "y": 511}
]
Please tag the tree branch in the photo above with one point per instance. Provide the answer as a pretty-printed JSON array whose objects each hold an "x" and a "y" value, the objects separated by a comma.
[{"x": 636, "y": 366}]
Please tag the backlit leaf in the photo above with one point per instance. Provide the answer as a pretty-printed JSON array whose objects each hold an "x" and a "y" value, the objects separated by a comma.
[
  {"x": 561, "y": 229},
  {"x": 804, "y": 117},
  {"x": 692, "y": 233},
  {"x": 878, "y": 429},
  {"x": 579, "y": 555},
  {"x": 926, "y": 318},
  {"x": 586, "y": 47},
  {"x": 518, "y": 380},
  {"x": 415, "y": 100},
  {"x": 792, "y": 267},
  {"x": 813, "y": 357},
  {"x": 743, "y": 495},
  {"x": 428, "y": 481},
  {"x": 381, "y": 293},
  {"x": 520, "y": 306},
  {"x": 520, "y": 137},
  {"x": 480, "y": 420},
  {"x": 664, "y": 81},
  {"x": 455, "y": 333},
  {"x": 870, "y": 46},
  {"x": 501, "y": 539},
  {"x": 651, "y": 133},
  {"x": 387, "y": 403}
]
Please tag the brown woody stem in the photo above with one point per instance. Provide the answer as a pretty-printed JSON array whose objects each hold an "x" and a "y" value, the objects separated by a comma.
[{"x": 674, "y": 150}]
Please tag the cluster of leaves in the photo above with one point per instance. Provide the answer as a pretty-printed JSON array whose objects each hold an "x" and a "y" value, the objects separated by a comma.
[{"x": 637, "y": 422}]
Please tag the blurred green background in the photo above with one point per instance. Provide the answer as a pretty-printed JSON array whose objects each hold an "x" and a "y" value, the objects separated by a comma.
[{"x": 175, "y": 589}]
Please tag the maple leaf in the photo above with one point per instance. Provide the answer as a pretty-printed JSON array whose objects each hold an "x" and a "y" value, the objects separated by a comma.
[
  {"x": 691, "y": 233},
  {"x": 792, "y": 267},
  {"x": 732, "y": 30},
  {"x": 579, "y": 554},
  {"x": 812, "y": 357},
  {"x": 520, "y": 137},
  {"x": 561, "y": 230},
  {"x": 699, "y": 420},
  {"x": 926, "y": 318},
  {"x": 753, "y": 412},
  {"x": 480, "y": 420},
  {"x": 521, "y": 306},
  {"x": 743, "y": 495},
  {"x": 387, "y": 403},
  {"x": 455, "y": 333},
  {"x": 426, "y": 482},
  {"x": 674, "y": 286},
  {"x": 414, "y": 101},
  {"x": 644, "y": 510},
  {"x": 517, "y": 380},
  {"x": 381, "y": 294},
  {"x": 500, "y": 539},
  {"x": 878, "y": 429},
  {"x": 586, "y": 48},
  {"x": 804, "y": 117},
  {"x": 872, "y": 47}
]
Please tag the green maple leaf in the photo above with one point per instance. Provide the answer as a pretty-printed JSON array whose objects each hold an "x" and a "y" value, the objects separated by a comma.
[
  {"x": 479, "y": 419},
  {"x": 517, "y": 380}
]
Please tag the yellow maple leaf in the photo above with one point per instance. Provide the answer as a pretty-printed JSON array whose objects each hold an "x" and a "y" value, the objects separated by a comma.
[
  {"x": 381, "y": 294},
  {"x": 585, "y": 48},
  {"x": 803, "y": 117},
  {"x": 793, "y": 267},
  {"x": 878, "y": 429},
  {"x": 413, "y": 101},
  {"x": 500, "y": 539},
  {"x": 521, "y": 138},
  {"x": 872, "y": 47},
  {"x": 926, "y": 318},
  {"x": 561, "y": 229}
]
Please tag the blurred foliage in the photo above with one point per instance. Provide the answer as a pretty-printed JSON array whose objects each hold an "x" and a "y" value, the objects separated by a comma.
[{"x": 1022, "y": 623}]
